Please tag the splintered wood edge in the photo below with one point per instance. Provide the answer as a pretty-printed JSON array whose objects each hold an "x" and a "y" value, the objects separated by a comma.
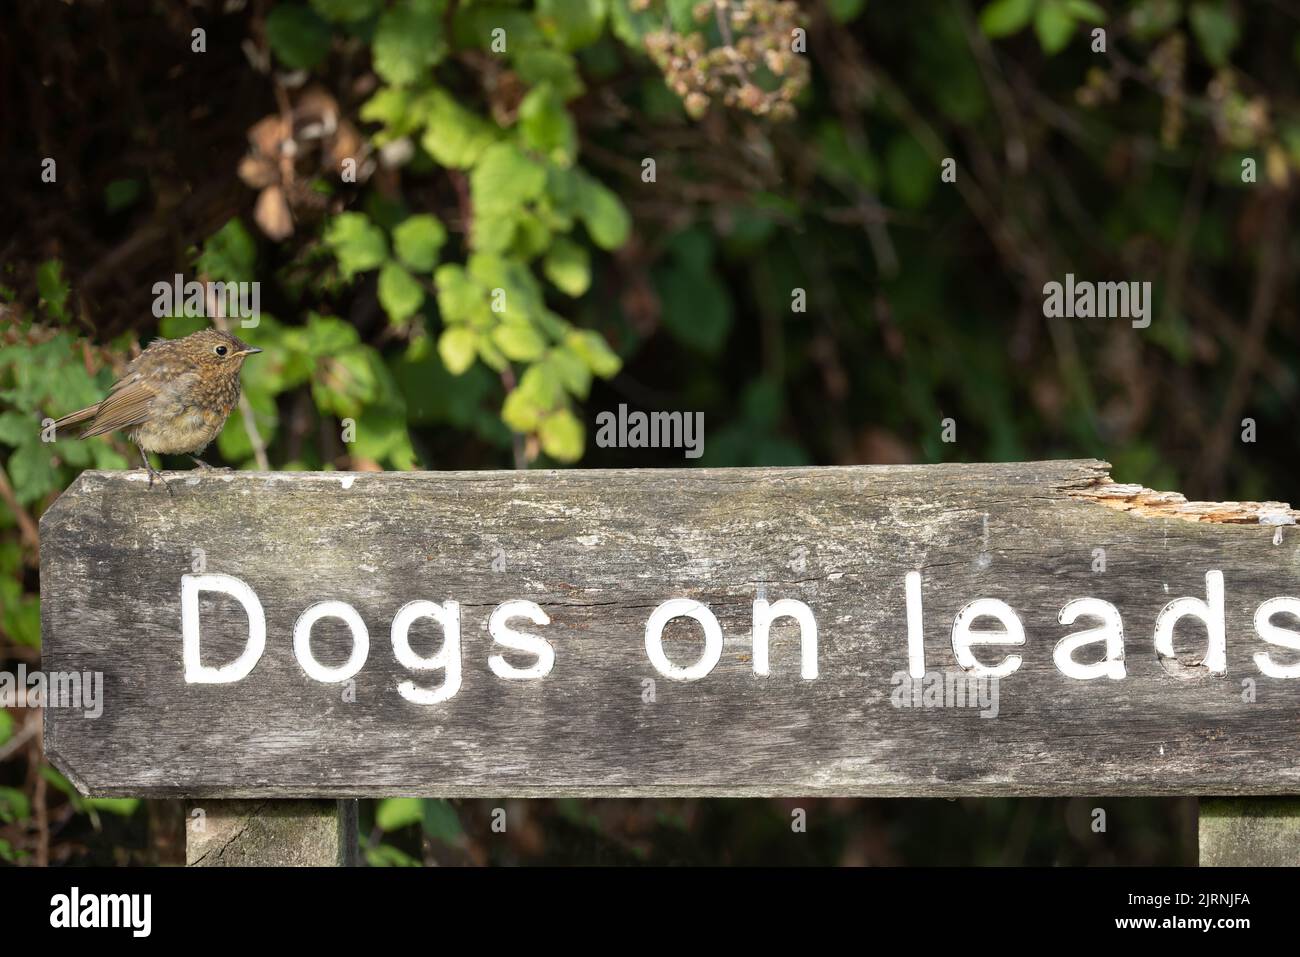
[{"x": 1153, "y": 504}]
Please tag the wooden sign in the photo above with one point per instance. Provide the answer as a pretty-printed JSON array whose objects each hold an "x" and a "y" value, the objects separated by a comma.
[{"x": 926, "y": 630}]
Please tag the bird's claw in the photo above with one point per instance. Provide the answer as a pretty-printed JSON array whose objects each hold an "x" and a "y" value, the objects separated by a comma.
[
  {"x": 205, "y": 467},
  {"x": 153, "y": 474}
]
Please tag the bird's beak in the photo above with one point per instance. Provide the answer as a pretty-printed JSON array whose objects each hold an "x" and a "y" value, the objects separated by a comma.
[{"x": 250, "y": 351}]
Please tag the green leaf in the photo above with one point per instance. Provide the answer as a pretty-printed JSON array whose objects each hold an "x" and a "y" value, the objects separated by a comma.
[
  {"x": 1054, "y": 26},
  {"x": 562, "y": 436},
  {"x": 1216, "y": 30},
  {"x": 298, "y": 37},
  {"x": 399, "y": 293},
  {"x": 762, "y": 402},
  {"x": 328, "y": 336},
  {"x": 518, "y": 341},
  {"x": 505, "y": 178},
  {"x": 494, "y": 230},
  {"x": 122, "y": 807},
  {"x": 408, "y": 43},
  {"x": 382, "y": 436},
  {"x": 121, "y": 193},
  {"x": 385, "y": 855},
  {"x": 550, "y": 324},
  {"x": 491, "y": 355},
  {"x": 845, "y": 163},
  {"x": 631, "y": 24},
  {"x": 696, "y": 306},
  {"x": 571, "y": 371},
  {"x": 542, "y": 387},
  {"x": 14, "y": 805},
  {"x": 520, "y": 412},
  {"x": 393, "y": 107},
  {"x": 912, "y": 173},
  {"x": 592, "y": 349},
  {"x": 460, "y": 298},
  {"x": 347, "y": 11},
  {"x": 395, "y": 813},
  {"x": 607, "y": 220},
  {"x": 344, "y": 384},
  {"x": 842, "y": 11},
  {"x": 17, "y": 429},
  {"x": 682, "y": 15},
  {"x": 573, "y": 23},
  {"x": 531, "y": 236},
  {"x": 32, "y": 473},
  {"x": 6, "y": 726},
  {"x": 53, "y": 288},
  {"x": 440, "y": 821},
  {"x": 522, "y": 291},
  {"x": 60, "y": 783},
  {"x": 358, "y": 244},
  {"x": 1086, "y": 11},
  {"x": 1002, "y": 18},
  {"x": 538, "y": 65},
  {"x": 417, "y": 241},
  {"x": 475, "y": 23},
  {"x": 21, "y": 615},
  {"x": 568, "y": 265},
  {"x": 229, "y": 254},
  {"x": 546, "y": 126},
  {"x": 1149, "y": 19},
  {"x": 457, "y": 346}
]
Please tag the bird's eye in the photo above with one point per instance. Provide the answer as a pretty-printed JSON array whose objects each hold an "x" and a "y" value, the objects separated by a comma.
[{"x": 221, "y": 350}]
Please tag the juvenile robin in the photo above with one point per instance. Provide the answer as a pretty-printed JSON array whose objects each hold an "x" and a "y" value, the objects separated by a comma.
[{"x": 174, "y": 398}]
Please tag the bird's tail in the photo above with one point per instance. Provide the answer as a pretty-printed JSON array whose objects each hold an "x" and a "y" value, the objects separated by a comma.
[{"x": 76, "y": 418}]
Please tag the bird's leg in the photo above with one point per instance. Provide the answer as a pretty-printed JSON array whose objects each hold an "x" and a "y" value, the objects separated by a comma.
[
  {"x": 199, "y": 463},
  {"x": 153, "y": 473}
]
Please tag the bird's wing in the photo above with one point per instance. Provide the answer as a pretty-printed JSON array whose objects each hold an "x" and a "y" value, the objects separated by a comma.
[{"x": 127, "y": 404}]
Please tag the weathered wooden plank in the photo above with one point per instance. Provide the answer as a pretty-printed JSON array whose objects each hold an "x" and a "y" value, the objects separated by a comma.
[
  {"x": 599, "y": 551},
  {"x": 271, "y": 834},
  {"x": 1249, "y": 832}
]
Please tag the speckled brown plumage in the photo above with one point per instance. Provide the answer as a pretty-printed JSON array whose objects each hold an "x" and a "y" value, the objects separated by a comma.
[{"x": 174, "y": 398}]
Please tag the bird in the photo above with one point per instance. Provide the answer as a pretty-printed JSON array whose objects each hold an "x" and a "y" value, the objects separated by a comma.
[{"x": 173, "y": 399}]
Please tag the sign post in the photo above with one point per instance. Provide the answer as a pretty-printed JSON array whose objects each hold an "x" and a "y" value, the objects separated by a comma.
[
  {"x": 1249, "y": 832},
  {"x": 979, "y": 630},
  {"x": 271, "y": 833}
]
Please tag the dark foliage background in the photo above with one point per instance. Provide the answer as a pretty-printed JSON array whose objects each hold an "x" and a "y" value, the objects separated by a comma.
[{"x": 1171, "y": 157}]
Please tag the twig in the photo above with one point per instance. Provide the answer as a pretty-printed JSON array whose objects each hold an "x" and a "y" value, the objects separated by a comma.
[
  {"x": 723, "y": 12},
  {"x": 27, "y": 526},
  {"x": 1014, "y": 148},
  {"x": 42, "y": 811},
  {"x": 517, "y": 439},
  {"x": 1262, "y": 308},
  {"x": 845, "y": 92},
  {"x": 245, "y": 407},
  {"x": 29, "y": 728}
]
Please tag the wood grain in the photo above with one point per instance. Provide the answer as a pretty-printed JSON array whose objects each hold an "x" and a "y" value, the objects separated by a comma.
[{"x": 598, "y": 551}]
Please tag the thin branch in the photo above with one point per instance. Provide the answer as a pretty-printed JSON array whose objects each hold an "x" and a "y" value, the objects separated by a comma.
[
  {"x": 723, "y": 11},
  {"x": 215, "y": 309},
  {"x": 517, "y": 442},
  {"x": 27, "y": 527},
  {"x": 1268, "y": 283},
  {"x": 25, "y": 734}
]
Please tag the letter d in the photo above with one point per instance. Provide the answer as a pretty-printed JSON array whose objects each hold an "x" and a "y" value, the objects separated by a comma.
[{"x": 195, "y": 671}]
